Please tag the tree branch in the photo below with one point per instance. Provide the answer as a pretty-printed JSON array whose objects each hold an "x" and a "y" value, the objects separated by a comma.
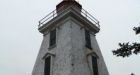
[
  {"x": 127, "y": 49},
  {"x": 137, "y": 30}
]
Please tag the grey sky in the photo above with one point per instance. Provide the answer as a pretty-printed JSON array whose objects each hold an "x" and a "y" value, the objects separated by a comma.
[{"x": 20, "y": 40}]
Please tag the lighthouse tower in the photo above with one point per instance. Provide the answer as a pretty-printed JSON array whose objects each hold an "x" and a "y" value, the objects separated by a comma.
[{"x": 69, "y": 45}]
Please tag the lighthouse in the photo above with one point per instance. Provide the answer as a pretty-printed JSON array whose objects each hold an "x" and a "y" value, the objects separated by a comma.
[{"x": 69, "y": 45}]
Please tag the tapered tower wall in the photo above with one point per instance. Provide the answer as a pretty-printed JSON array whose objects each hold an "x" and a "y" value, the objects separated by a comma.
[{"x": 70, "y": 56}]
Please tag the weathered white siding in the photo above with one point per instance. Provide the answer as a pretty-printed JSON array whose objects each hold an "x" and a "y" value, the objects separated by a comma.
[{"x": 70, "y": 52}]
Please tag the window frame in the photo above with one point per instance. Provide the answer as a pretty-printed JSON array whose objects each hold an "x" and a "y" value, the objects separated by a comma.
[
  {"x": 87, "y": 39},
  {"x": 52, "y": 40},
  {"x": 47, "y": 68},
  {"x": 95, "y": 65}
]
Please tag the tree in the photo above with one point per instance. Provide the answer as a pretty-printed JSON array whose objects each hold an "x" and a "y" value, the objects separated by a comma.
[
  {"x": 127, "y": 49},
  {"x": 132, "y": 74}
]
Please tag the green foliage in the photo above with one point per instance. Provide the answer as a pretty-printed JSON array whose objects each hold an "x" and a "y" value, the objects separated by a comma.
[
  {"x": 132, "y": 74},
  {"x": 127, "y": 49},
  {"x": 137, "y": 29}
]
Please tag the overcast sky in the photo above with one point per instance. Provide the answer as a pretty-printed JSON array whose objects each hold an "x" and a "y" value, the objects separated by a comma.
[{"x": 20, "y": 40}]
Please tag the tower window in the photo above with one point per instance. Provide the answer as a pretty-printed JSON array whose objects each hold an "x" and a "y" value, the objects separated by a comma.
[
  {"x": 94, "y": 65},
  {"x": 87, "y": 39},
  {"x": 47, "y": 66},
  {"x": 53, "y": 38}
]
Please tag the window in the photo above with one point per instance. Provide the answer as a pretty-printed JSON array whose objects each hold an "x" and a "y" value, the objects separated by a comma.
[
  {"x": 94, "y": 65},
  {"x": 87, "y": 39},
  {"x": 53, "y": 38},
  {"x": 47, "y": 66}
]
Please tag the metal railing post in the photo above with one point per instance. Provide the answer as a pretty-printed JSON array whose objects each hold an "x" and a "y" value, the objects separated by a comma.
[{"x": 54, "y": 13}]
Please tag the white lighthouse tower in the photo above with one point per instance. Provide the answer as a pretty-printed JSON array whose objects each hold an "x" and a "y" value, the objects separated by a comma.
[{"x": 69, "y": 45}]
